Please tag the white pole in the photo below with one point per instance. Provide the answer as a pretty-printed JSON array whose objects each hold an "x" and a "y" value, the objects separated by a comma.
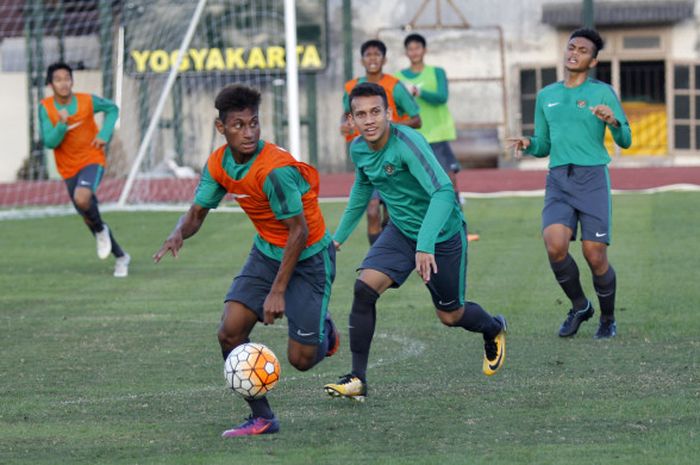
[
  {"x": 290, "y": 30},
  {"x": 119, "y": 80},
  {"x": 161, "y": 103}
]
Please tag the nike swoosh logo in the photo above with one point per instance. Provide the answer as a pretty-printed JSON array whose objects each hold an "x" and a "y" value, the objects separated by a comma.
[
  {"x": 495, "y": 365},
  {"x": 240, "y": 196},
  {"x": 75, "y": 125},
  {"x": 299, "y": 333},
  {"x": 84, "y": 183},
  {"x": 600, "y": 235},
  {"x": 550, "y": 105},
  {"x": 446, "y": 303}
]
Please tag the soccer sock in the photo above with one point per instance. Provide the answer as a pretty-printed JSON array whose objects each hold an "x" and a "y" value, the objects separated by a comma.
[
  {"x": 92, "y": 214},
  {"x": 372, "y": 238},
  {"x": 605, "y": 286},
  {"x": 363, "y": 317},
  {"x": 116, "y": 249},
  {"x": 477, "y": 320},
  {"x": 566, "y": 272},
  {"x": 260, "y": 407}
]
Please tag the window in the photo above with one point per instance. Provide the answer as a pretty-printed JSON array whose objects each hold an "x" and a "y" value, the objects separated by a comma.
[
  {"x": 686, "y": 107},
  {"x": 531, "y": 81}
]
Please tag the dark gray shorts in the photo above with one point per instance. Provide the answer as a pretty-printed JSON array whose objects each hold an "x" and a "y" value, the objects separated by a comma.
[
  {"x": 89, "y": 176},
  {"x": 394, "y": 254},
  {"x": 445, "y": 156},
  {"x": 579, "y": 194},
  {"x": 307, "y": 296}
]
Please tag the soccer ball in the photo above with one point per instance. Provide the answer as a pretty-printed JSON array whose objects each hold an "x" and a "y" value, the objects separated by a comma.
[{"x": 252, "y": 369}]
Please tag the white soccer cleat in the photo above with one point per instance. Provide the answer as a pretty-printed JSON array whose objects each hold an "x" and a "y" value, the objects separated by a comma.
[
  {"x": 121, "y": 266},
  {"x": 104, "y": 243}
]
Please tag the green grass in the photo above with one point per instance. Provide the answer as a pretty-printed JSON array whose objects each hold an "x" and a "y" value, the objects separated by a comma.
[{"x": 97, "y": 370}]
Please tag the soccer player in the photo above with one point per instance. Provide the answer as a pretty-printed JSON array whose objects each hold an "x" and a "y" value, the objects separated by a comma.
[
  {"x": 404, "y": 110},
  {"x": 291, "y": 265},
  {"x": 428, "y": 85},
  {"x": 426, "y": 233},
  {"x": 570, "y": 121},
  {"x": 67, "y": 122}
]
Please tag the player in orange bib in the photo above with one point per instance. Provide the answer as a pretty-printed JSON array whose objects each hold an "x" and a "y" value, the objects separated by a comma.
[
  {"x": 67, "y": 122},
  {"x": 291, "y": 266}
]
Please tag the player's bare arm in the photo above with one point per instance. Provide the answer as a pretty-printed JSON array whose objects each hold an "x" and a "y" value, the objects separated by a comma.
[
  {"x": 273, "y": 307},
  {"x": 413, "y": 122},
  {"x": 425, "y": 264},
  {"x": 187, "y": 226},
  {"x": 605, "y": 114}
]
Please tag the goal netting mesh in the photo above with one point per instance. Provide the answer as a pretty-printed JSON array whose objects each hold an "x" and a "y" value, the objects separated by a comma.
[{"x": 124, "y": 51}]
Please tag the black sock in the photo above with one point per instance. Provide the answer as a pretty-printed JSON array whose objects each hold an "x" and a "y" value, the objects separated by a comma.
[
  {"x": 260, "y": 407},
  {"x": 92, "y": 214},
  {"x": 116, "y": 249},
  {"x": 363, "y": 317},
  {"x": 477, "y": 320},
  {"x": 605, "y": 286},
  {"x": 225, "y": 352},
  {"x": 566, "y": 272}
]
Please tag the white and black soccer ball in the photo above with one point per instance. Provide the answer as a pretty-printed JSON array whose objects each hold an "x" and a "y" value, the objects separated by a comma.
[{"x": 252, "y": 370}]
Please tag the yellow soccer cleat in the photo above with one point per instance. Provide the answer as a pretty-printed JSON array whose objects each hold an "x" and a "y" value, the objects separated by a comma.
[
  {"x": 349, "y": 387},
  {"x": 495, "y": 350}
]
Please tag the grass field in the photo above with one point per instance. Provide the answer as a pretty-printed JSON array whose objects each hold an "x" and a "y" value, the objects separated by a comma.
[{"x": 97, "y": 370}]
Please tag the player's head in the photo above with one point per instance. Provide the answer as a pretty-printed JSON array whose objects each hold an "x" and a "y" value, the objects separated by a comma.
[
  {"x": 238, "y": 118},
  {"x": 415, "y": 46},
  {"x": 59, "y": 76},
  {"x": 373, "y": 54},
  {"x": 582, "y": 50},
  {"x": 369, "y": 110}
]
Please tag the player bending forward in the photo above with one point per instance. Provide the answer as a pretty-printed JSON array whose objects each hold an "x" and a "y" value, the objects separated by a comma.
[
  {"x": 291, "y": 266},
  {"x": 426, "y": 233}
]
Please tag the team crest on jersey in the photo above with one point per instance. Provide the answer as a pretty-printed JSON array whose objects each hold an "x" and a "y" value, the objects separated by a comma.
[
  {"x": 581, "y": 103},
  {"x": 389, "y": 169}
]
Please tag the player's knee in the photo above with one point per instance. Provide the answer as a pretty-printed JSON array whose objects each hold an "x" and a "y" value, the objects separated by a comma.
[
  {"x": 449, "y": 318},
  {"x": 556, "y": 252},
  {"x": 82, "y": 201},
  {"x": 230, "y": 339},
  {"x": 301, "y": 361},
  {"x": 364, "y": 296}
]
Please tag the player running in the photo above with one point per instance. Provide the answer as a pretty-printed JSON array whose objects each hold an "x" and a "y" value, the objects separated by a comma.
[
  {"x": 570, "y": 121},
  {"x": 67, "y": 122},
  {"x": 291, "y": 265},
  {"x": 404, "y": 110},
  {"x": 426, "y": 233}
]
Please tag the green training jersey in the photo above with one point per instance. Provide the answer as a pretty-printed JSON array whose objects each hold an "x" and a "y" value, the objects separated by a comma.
[
  {"x": 283, "y": 187},
  {"x": 438, "y": 125},
  {"x": 417, "y": 192},
  {"x": 567, "y": 130},
  {"x": 53, "y": 135}
]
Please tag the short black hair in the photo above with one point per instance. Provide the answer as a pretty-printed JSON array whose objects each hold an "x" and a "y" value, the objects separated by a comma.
[
  {"x": 373, "y": 43},
  {"x": 55, "y": 67},
  {"x": 593, "y": 36},
  {"x": 236, "y": 97},
  {"x": 414, "y": 38},
  {"x": 368, "y": 89}
]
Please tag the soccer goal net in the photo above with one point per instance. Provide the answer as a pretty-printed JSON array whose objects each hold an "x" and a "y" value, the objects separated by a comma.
[{"x": 125, "y": 51}]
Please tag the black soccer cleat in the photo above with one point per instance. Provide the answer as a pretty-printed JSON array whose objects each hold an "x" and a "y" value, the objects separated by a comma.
[
  {"x": 574, "y": 319},
  {"x": 606, "y": 329}
]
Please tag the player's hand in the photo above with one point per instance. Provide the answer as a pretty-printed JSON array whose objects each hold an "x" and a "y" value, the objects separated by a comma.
[
  {"x": 605, "y": 114},
  {"x": 273, "y": 307},
  {"x": 518, "y": 144},
  {"x": 415, "y": 90},
  {"x": 98, "y": 143},
  {"x": 63, "y": 115},
  {"x": 425, "y": 264},
  {"x": 172, "y": 244},
  {"x": 337, "y": 245}
]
